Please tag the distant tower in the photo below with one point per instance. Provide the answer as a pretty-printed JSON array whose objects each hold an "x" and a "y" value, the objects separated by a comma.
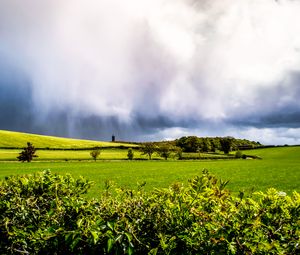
[{"x": 113, "y": 138}]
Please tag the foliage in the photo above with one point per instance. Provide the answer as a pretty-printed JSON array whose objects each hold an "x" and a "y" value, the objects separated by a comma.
[
  {"x": 189, "y": 144},
  {"x": 179, "y": 153},
  {"x": 148, "y": 148},
  {"x": 95, "y": 153},
  {"x": 212, "y": 144},
  {"x": 239, "y": 154},
  {"x": 226, "y": 144},
  {"x": 130, "y": 154},
  {"x": 46, "y": 213},
  {"x": 165, "y": 150},
  {"x": 28, "y": 153},
  {"x": 39, "y": 213}
]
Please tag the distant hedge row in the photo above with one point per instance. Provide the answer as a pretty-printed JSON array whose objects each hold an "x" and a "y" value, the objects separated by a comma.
[
  {"x": 45, "y": 213},
  {"x": 71, "y": 149}
]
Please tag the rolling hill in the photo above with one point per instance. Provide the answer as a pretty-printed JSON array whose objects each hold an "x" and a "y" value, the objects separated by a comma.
[{"x": 10, "y": 139}]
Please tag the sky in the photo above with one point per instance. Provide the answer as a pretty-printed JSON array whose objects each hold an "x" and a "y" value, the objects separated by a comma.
[{"x": 151, "y": 69}]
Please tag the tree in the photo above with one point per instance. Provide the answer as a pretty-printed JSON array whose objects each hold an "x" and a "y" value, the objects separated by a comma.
[
  {"x": 178, "y": 152},
  {"x": 165, "y": 150},
  {"x": 189, "y": 144},
  {"x": 95, "y": 153},
  {"x": 148, "y": 149},
  {"x": 226, "y": 144},
  {"x": 28, "y": 153},
  {"x": 205, "y": 145},
  {"x": 130, "y": 154}
]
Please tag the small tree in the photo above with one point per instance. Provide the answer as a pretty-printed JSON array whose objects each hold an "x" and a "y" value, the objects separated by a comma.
[
  {"x": 165, "y": 150},
  {"x": 95, "y": 153},
  {"x": 130, "y": 154},
  {"x": 148, "y": 149},
  {"x": 28, "y": 153},
  {"x": 179, "y": 152}
]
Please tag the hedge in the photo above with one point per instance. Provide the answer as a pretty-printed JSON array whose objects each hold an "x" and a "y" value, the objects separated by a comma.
[{"x": 46, "y": 213}]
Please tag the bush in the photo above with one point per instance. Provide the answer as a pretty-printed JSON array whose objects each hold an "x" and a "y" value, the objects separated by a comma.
[
  {"x": 46, "y": 213},
  {"x": 95, "y": 153},
  {"x": 239, "y": 154},
  {"x": 130, "y": 154}
]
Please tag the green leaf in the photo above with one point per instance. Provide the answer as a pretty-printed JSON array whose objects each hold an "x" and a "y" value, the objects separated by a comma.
[
  {"x": 110, "y": 244},
  {"x": 130, "y": 250},
  {"x": 95, "y": 236},
  {"x": 110, "y": 225}
]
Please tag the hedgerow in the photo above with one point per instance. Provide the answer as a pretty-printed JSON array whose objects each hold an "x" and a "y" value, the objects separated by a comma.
[{"x": 46, "y": 213}]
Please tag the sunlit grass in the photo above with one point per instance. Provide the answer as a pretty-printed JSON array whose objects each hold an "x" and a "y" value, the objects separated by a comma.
[
  {"x": 279, "y": 168},
  {"x": 16, "y": 139}
]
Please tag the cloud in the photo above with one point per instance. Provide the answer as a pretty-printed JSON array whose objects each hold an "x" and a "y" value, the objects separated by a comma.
[{"x": 143, "y": 69}]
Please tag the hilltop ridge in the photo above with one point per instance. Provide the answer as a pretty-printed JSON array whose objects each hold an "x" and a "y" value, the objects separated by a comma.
[{"x": 12, "y": 139}]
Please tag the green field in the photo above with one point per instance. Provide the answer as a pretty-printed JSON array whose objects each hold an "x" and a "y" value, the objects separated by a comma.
[
  {"x": 279, "y": 168},
  {"x": 9, "y": 139},
  {"x": 66, "y": 155},
  {"x": 79, "y": 155}
]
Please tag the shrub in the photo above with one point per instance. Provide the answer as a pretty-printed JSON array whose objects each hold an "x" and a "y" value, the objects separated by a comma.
[
  {"x": 46, "y": 213},
  {"x": 238, "y": 154},
  {"x": 39, "y": 214},
  {"x": 95, "y": 153},
  {"x": 130, "y": 154}
]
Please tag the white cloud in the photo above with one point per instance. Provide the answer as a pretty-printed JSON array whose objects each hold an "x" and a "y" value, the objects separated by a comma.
[{"x": 207, "y": 60}]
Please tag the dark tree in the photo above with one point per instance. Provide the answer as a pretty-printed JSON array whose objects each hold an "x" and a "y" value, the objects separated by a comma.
[
  {"x": 130, "y": 154},
  {"x": 226, "y": 144},
  {"x": 205, "y": 145},
  {"x": 28, "y": 153},
  {"x": 189, "y": 144},
  {"x": 148, "y": 149}
]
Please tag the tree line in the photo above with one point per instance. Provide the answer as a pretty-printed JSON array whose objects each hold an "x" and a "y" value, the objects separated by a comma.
[
  {"x": 213, "y": 144},
  {"x": 166, "y": 149}
]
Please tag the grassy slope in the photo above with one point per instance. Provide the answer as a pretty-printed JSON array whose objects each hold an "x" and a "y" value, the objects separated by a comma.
[
  {"x": 17, "y": 139},
  {"x": 64, "y": 155},
  {"x": 279, "y": 168}
]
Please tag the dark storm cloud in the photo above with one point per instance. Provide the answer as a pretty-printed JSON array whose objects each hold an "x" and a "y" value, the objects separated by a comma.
[
  {"x": 150, "y": 69},
  {"x": 16, "y": 111},
  {"x": 276, "y": 106}
]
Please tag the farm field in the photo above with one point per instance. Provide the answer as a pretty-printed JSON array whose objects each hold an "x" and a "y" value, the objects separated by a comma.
[
  {"x": 10, "y": 139},
  {"x": 66, "y": 155},
  {"x": 79, "y": 155},
  {"x": 279, "y": 168}
]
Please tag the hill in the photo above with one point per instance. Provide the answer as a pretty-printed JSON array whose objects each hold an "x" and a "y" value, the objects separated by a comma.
[{"x": 10, "y": 139}]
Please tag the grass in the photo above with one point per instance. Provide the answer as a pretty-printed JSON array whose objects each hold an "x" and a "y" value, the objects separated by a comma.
[
  {"x": 66, "y": 155},
  {"x": 279, "y": 168},
  {"x": 9, "y": 139}
]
